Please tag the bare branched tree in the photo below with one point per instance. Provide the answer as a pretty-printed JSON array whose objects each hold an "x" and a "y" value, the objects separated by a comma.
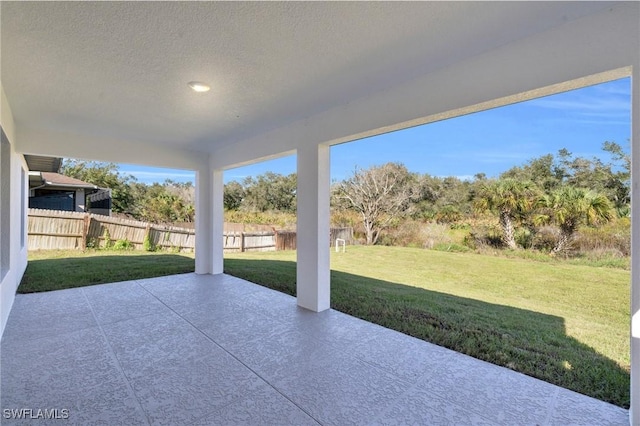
[{"x": 381, "y": 194}]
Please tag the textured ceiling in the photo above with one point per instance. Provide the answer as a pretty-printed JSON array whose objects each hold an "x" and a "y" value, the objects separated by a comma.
[{"x": 120, "y": 69}]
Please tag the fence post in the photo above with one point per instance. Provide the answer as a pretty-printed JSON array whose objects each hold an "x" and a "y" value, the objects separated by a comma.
[
  {"x": 147, "y": 237},
  {"x": 241, "y": 242},
  {"x": 85, "y": 231}
]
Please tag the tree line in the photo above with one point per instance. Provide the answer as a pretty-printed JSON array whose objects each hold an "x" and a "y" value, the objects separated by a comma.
[
  {"x": 168, "y": 202},
  {"x": 561, "y": 190},
  {"x": 564, "y": 190}
]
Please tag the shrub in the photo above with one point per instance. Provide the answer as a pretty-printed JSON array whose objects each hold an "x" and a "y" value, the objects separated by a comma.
[
  {"x": 107, "y": 239},
  {"x": 434, "y": 235},
  {"x": 524, "y": 237},
  {"x": 482, "y": 236},
  {"x": 123, "y": 245},
  {"x": 342, "y": 218},
  {"x": 413, "y": 233},
  {"x": 404, "y": 234},
  {"x": 451, "y": 247},
  {"x": 613, "y": 239},
  {"x": 279, "y": 219},
  {"x": 460, "y": 225},
  {"x": 545, "y": 238},
  {"x": 448, "y": 214},
  {"x": 92, "y": 243},
  {"x": 147, "y": 244}
]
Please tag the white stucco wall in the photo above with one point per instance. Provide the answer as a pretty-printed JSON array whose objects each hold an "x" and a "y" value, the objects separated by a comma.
[{"x": 13, "y": 241}]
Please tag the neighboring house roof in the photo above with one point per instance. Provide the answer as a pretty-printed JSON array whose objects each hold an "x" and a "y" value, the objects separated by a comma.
[{"x": 58, "y": 180}]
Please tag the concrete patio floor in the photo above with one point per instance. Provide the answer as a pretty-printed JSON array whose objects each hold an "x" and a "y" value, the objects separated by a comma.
[{"x": 206, "y": 350}]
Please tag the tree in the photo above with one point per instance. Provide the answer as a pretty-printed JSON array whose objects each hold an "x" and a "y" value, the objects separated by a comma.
[
  {"x": 380, "y": 195},
  {"x": 608, "y": 178},
  {"x": 511, "y": 200},
  {"x": 233, "y": 195},
  {"x": 621, "y": 182},
  {"x": 569, "y": 207},
  {"x": 163, "y": 203},
  {"x": 542, "y": 171},
  {"x": 270, "y": 192},
  {"x": 104, "y": 175}
]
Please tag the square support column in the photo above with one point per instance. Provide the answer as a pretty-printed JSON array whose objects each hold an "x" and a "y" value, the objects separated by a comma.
[
  {"x": 635, "y": 247},
  {"x": 217, "y": 208},
  {"x": 204, "y": 221},
  {"x": 209, "y": 221},
  {"x": 313, "y": 269}
]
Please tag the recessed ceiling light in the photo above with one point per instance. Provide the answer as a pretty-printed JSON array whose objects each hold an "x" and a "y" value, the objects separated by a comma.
[{"x": 198, "y": 86}]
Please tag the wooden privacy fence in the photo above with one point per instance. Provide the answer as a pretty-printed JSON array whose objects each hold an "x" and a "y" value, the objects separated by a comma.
[
  {"x": 247, "y": 241},
  {"x": 278, "y": 240},
  {"x": 50, "y": 229}
]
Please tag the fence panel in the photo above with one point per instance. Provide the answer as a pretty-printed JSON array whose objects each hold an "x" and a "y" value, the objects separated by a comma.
[
  {"x": 50, "y": 229},
  {"x": 260, "y": 241},
  {"x": 172, "y": 238},
  {"x": 343, "y": 233},
  {"x": 119, "y": 229},
  {"x": 286, "y": 240},
  {"x": 244, "y": 241},
  {"x": 233, "y": 241}
]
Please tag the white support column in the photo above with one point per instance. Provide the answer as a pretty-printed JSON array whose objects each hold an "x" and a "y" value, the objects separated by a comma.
[
  {"x": 635, "y": 247},
  {"x": 313, "y": 269},
  {"x": 217, "y": 220},
  {"x": 209, "y": 221},
  {"x": 204, "y": 221}
]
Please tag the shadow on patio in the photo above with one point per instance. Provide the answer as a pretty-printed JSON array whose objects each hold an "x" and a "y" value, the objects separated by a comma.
[
  {"x": 190, "y": 349},
  {"x": 530, "y": 342}
]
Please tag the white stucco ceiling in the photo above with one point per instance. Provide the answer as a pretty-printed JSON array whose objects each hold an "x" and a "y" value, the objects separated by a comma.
[{"x": 120, "y": 69}]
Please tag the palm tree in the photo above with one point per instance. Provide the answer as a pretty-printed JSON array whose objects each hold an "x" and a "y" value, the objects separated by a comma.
[
  {"x": 511, "y": 199},
  {"x": 569, "y": 207}
]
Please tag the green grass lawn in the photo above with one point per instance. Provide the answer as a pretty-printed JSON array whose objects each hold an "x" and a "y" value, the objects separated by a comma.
[
  {"x": 565, "y": 324},
  {"x": 57, "y": 269}
]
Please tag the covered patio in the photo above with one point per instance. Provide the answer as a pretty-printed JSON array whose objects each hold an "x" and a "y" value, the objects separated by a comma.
[
  {"x": 218, "y": 350},
  {"x": 108, "y": 81}
]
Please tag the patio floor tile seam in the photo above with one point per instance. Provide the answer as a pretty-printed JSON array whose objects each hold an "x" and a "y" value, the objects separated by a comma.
[
  {"x": 415, "y": 388},
  {"x": 236, "y": 400},
  {"x": 173, "y": 308},
  {"x": 113, "y": 356},
  {"x": 412, "y": 385},
  {"x": 123, "y": 319},
  {"x": 10, "y": 335},
  {"x": 552, "y": 406},
  {"x": 257, "y": 374},
  {"x": 233, "y": 356}
]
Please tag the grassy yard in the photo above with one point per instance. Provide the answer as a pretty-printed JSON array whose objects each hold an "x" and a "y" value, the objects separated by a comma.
[
  {"x": 57, "y": 269},
  {"x": 565, "y": 324}
]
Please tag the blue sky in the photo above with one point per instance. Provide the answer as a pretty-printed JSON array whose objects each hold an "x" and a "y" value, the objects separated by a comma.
[{"x": 489, "y": 142}]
